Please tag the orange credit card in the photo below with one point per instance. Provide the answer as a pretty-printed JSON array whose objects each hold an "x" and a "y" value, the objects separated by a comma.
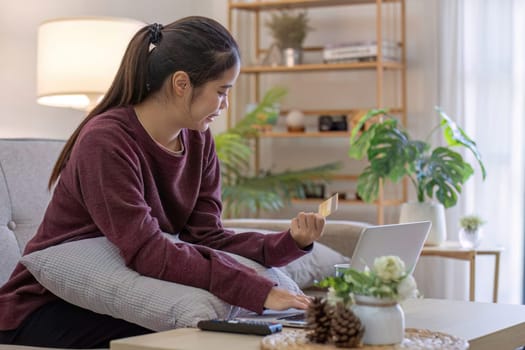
[{"x": 329, "y": 206}]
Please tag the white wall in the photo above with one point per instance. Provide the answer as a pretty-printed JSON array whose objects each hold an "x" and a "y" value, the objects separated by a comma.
[{"x": 20, "y": 115}]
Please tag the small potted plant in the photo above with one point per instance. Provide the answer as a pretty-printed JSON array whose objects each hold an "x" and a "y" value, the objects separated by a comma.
[
  {"x": 437, "y": 173},
  {"x": 470, "y": 233},
  {"x": 289, "y": 29},
  {"x": 374, "y": 295}
]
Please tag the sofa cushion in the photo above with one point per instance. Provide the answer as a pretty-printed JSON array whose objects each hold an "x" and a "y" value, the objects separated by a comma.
[
  {"x": 91, "y": 274},
  {"x": 309, "y": 268},
  {"x": 25, "y": 166}
]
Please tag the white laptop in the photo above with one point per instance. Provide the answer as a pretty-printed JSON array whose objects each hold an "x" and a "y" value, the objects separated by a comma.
[{"x": 404, "y": 240}]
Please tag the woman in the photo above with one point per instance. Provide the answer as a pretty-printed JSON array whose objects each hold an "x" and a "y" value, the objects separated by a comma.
[{"x": 143, "y": 162}]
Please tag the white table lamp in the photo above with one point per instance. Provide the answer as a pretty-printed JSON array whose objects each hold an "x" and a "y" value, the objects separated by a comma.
[{"x": 79, "y": 57}]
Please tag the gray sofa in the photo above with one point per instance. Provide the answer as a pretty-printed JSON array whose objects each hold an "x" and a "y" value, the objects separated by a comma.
[{"x": 25, "y": 166}]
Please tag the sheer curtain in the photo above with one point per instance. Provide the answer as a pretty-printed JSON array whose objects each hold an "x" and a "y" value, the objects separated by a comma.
[{"x": 482, "y": 84}]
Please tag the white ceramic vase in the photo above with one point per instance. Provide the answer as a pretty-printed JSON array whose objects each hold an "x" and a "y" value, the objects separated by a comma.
[
  {"x": 432, "y": 211},
  {"x": 383, "y": 319}
]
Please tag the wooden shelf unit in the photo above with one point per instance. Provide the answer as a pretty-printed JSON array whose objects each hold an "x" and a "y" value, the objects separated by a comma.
[{"x": 377, "y": 68}]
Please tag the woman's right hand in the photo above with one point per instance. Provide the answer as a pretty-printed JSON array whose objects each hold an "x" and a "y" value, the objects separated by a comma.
[{"x": 282, "y": 299}]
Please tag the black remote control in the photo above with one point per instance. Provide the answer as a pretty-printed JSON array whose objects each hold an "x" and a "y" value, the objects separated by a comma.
[{"x": 241, "y": 326}]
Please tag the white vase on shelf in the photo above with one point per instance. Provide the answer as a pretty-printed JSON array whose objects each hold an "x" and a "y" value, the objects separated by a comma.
[
  {"x": 383, "y": 319},
  {"x": 423, "y": 211}
]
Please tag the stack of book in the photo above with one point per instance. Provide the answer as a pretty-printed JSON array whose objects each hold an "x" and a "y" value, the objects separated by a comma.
[{"x": 360, "y": 51}]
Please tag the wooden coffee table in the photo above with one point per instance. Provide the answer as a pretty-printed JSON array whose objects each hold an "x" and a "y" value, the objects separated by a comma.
[{"x": 485, "y": 325}]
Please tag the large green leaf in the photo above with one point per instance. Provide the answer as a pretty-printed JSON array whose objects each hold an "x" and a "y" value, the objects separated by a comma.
[
  {"x": 390, "y": 151},
  {"x": 368, "y": 184},
  {"x": 454, "y": 135},
  {"x": 447, "y": 172}
]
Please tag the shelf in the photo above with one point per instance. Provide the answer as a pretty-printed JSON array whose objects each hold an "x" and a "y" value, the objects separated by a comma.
[
  {"x": 283, "y": 134},
  {"x": 291, "y": 4},
  {"x": 317, "y": 112},
  {"x": 387, "y": 76},
  {"x": 390, "y": 202},
  {"x": 323, "y": 67}
]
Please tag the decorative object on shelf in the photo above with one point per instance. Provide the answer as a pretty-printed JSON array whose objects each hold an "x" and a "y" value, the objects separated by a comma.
[
  {"x": 470, "y": 234},
  {"x": 289, "y": 28},
  {"x": 332, "y": 123},
  {"x": 437, "y": 174},
  {"x": 314, "y": 190},
  {"x": 375, "y": 294},
  {"x": 273, "y": 56},
  {"x": 244, "y": 192},
  {"x": 360, "y": 51},
  {"x": 420, "y": 211},
  {"x": 295, "y": 121}
]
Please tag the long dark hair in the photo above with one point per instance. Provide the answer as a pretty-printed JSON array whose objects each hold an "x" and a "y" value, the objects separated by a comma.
[{"x": 199, "y": 46}]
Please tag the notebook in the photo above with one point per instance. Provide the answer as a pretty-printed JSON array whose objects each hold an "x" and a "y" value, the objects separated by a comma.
[{"x": 405, "y": 240}]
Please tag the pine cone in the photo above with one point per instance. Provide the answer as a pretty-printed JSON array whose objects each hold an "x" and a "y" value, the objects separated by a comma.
[
  {"x": 318, "y": 317},
  {"x": 346, "y": 328}
]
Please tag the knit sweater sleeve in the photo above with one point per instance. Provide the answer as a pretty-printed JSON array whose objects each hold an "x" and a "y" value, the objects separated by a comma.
[
  {"x": 107, "y": 180},
  {"x": 204, "y": 225}
]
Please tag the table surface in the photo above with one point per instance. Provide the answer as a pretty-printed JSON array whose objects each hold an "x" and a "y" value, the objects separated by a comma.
[
  {"x": 456, "y": 246},
  {"x": 484, "y": 325}
]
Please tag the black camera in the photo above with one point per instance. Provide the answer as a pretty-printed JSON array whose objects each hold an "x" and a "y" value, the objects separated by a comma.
[{"x": 333, "y": 123}]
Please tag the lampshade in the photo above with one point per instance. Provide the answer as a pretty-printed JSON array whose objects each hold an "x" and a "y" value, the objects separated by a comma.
[{"x": 79, "y": 57}]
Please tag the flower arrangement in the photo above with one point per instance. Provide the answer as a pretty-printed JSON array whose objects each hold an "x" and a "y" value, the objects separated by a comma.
[
  {"x": 387, "y": 279},
  {"x": 471, "y": 223}
]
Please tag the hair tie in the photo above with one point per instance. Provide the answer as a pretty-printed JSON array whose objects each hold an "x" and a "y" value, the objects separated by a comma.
[{"x": 155, "y": 33}]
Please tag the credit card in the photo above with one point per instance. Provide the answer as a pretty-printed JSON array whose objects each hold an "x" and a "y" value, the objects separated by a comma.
[{"x": 329, "y": 206}]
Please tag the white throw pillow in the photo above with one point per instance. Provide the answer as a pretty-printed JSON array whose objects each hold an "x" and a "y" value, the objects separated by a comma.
[
  {"x": 90, "y": 273},
  {"x": 312, "y": 267}
]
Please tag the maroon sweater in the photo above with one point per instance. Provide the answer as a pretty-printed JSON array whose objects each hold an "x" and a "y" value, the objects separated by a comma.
[{"x": 121, "y": 184}]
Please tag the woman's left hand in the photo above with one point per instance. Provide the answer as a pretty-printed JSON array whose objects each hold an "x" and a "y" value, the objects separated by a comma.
[{"x": 307, "y": 228}]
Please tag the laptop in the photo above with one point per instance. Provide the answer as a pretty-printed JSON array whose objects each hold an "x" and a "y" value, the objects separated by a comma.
[{"x": 405, "y": 240}]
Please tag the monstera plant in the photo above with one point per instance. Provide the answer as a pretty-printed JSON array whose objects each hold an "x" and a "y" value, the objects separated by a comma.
[
  {"x": 245, "y": 192},
  {"x": 436, "y": 172}
]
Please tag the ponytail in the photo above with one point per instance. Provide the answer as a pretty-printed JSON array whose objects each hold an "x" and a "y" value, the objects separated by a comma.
[{"x": 197, "y": 45}]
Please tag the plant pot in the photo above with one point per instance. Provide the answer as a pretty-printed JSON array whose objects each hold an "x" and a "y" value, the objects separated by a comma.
[
  {"x": 383, "y": 319},
  {"x": 470, "y": 238},
  {"x": 292, "y": 56},
  {"x": 432, "y": 211}
]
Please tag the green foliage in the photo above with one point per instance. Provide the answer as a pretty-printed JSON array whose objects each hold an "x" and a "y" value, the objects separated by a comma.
[
  {"x": 387, "y": 279},
  {"x": 289, "y": 29},
  {"x": 438, "y": 172},
  {"x": 244, "y": 191},
  {"x": 471, "y": 222}
]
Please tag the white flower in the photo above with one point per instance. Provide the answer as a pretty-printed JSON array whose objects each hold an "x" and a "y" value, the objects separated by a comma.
[
  {"x": 389, "y": 268},
  {"x": 407, "y": 288}
]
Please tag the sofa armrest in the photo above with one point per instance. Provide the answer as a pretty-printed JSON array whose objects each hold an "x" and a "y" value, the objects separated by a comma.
[{"x": 340, "y": 235}]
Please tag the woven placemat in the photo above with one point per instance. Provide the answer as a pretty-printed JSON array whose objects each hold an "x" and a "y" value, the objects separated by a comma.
[{"x": 420, "y": 339}]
